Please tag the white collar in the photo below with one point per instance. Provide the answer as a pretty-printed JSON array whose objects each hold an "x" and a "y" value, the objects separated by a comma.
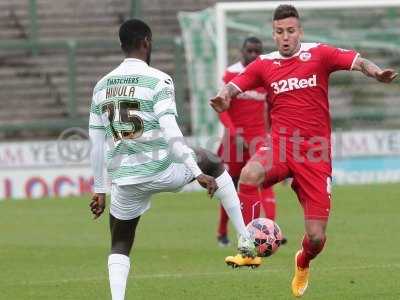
[
  {"x": 134, "y": 60},
  {"x": 277, "y": 55}
]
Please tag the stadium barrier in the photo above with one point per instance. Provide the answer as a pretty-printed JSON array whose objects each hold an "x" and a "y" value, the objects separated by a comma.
[
  {"x": 135, "y": 11},
  {"x": 71, "y": 47}
]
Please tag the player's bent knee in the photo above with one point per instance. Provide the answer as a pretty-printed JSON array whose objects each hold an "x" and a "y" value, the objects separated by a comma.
[
  {"x": 316, "y": 237},
  {"x": 315, "y": 230},
  {"x": 252, "y": 174}
]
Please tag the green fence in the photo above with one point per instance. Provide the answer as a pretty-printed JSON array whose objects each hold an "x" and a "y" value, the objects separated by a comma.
[{"x": 71, "y": 47}]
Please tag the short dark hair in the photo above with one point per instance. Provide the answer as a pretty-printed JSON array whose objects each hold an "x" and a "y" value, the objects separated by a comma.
[
  {"x": 252, "y": 40},
  {"x": 131, "y": 33},
  {"x": 284, "y": 11}
]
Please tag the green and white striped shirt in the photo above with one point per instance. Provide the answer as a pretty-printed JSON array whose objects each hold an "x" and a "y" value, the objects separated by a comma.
[{"x": 127, "y": 104}]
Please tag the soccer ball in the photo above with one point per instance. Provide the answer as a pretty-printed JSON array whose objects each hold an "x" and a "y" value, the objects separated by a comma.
[{"x": 266, "y": 234}]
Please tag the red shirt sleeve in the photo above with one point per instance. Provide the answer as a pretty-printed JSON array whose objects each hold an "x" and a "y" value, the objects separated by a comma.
[
  {"x": 251, "y": 77},
  {"x": 336, "y": 59}
]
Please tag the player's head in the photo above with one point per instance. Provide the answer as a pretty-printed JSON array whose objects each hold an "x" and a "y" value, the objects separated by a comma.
[
  {"x": 135, "y": 38},
  {"x": 251, "y": 49},
  {"x": 287, "y": 30}
]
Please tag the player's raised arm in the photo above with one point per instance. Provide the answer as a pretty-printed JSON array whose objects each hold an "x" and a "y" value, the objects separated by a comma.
[
  {"x": 248, "y": 79},
  {"x": 165, "y": 109},
  {"x": 222, "y": 100},
  {"x": 372, "y": 70},
  {"x": 184, "y": 153}
]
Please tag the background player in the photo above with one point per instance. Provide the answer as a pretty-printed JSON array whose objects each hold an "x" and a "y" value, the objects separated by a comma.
[
  {"x": 133, "y": 113},
  {"x": 296, "y": 78},
  {"x": 245, "y": 122}
]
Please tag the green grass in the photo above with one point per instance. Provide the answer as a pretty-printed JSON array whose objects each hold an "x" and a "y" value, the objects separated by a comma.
[{"x": 52, "y": 249}]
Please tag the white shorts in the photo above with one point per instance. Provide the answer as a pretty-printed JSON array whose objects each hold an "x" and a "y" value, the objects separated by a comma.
[{"x": 131, "y": 201}]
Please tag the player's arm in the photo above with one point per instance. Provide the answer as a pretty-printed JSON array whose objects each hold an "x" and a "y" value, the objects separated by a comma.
[
  {"x": 249, "y": 79},
  {"x": 224, "y": 116},
  {"x": 222, "y": 100},
  {"x": 341, "y": 59},
  {"x": 165, "y": 109},
  {"x": 97, "y": 137},
  {"x": 184, "y": 153},
  {"x": 372, "y": 70}
]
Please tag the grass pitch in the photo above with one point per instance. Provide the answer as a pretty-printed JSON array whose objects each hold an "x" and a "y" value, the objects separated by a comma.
[{"x": 52, "y": 249}]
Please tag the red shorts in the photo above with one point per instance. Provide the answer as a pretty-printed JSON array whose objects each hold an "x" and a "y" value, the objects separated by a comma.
[
  {"x": 235, "y": 156},
  {"x": 311, "y": 176}
]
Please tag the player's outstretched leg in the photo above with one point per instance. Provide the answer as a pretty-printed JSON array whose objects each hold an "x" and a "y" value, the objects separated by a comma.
[
  {"x": 212, "y": 165},
  {"x": 122, "y": 236},
  {"x": 259, "y": 171},
  {"x": 312, "y": 245},
  {"x": 250, "y": 179},
  {"x": 222, "y": 233}
]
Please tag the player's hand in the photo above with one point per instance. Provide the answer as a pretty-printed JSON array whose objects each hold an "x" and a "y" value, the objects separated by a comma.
[
  {"x": 386, "y": 75},
  {"x": 207, "y": 182},
  {"x": 221, "y": 102},
  {"x": 98, "y": 204}
]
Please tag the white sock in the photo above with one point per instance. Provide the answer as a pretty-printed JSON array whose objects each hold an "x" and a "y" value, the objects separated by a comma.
[
  {"x": 230, "y": 201},
  {"x": 118, "y": 270}
]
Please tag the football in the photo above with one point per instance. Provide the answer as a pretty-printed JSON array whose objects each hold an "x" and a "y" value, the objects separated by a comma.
[{"x": 266, "y": 234}]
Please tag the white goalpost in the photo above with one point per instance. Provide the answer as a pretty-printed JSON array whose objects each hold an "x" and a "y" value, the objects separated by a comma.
[{"x": 223, "y": 8}]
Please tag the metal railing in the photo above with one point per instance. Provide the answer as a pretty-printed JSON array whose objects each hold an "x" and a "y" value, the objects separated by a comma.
[{"x": 134, "y": 12}]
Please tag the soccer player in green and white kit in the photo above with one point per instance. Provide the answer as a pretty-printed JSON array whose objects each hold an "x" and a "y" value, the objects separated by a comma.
[{"x": 133, "y": 114}]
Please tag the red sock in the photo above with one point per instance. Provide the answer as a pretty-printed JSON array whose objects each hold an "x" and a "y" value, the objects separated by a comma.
[
  {"x": 250, "y": 197},
  {"x": 308, "y": 252},
  {"x": 268, "y": 203},
  {"x": 223, "y": 222}
]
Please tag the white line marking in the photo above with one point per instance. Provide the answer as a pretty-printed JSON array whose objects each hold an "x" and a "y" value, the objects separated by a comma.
[{"x": 205, "y": 274}]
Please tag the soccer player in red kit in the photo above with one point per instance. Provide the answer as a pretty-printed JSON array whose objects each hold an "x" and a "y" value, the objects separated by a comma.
[
  {"x": 246, "y": 127},
  {"x": 296, "y": 79}
]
